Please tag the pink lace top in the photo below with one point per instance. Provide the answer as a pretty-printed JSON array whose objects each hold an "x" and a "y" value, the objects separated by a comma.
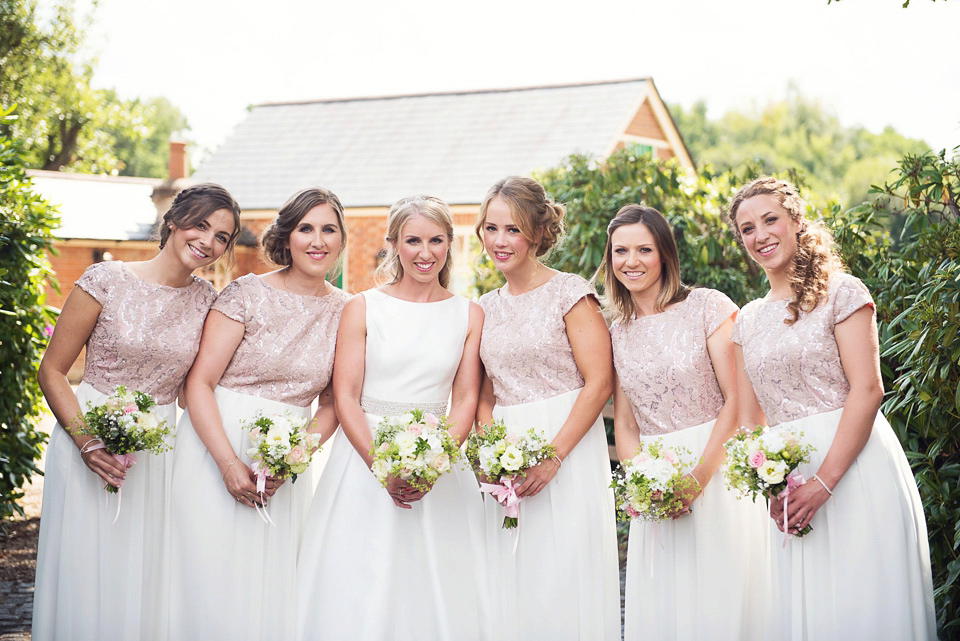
[
  {"x": 147, "y": 335},
  {"x": 286, "y": 354},
  {"x": 524, "y": 345},
  {"x": 795, "y": 369},
  {"x": 663, "y": 365}
]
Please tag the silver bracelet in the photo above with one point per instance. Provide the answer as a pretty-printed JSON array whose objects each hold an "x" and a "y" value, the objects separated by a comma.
[{"x": 820, "y": 481}]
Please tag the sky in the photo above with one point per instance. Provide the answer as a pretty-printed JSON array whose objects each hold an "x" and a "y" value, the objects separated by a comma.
[{"x": 870, "y": 62}]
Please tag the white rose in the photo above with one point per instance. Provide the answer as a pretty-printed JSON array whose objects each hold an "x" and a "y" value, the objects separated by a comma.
[
  {"x": 441, "y": 463},
  {"x": 772, "y": 441},
  {"x": 380, "y": 468},
  {"x": 772, "y": 472},
  {"x": 406, "y": 443},
  {"x": 281, "y": 425},
  {"x": 256, "y": 437},
  {"x": 511, "y": 459},
  {"x": 148, "y": 421}
]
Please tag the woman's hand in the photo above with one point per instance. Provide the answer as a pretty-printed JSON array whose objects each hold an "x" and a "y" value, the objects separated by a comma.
[
  {"x": 402, "y": 493},
  {"x": 272, "y": 485},
  {"x": 802, "y": 506},
  {"x": 241, "y": 483},
  {"x": 690, "y": 489},
  {"x": 537, "y": 478},
  {"x": 102, "y": 463}
]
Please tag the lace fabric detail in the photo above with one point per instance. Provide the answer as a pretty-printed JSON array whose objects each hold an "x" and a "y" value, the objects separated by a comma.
[
  {"x": 795, "y": 370},
  {"x": 524, "y": 345},
  {"x": 147, "y": 335},
  {"x": 286, "y": 353},
  {"x": 663, "y": 364},
  {"x": 373, "y": 405}
]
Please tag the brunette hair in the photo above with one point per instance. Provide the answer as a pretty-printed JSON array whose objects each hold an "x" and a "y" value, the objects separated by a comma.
[
  {"x": 672, "y": 289},
  {"x": 273, "y": 241},
  {"x": 539, "y": 218},
  {"x": 815, "y": 259},
  {"x": 193, "y": 204},
  {"x": 390, "y": 270}
]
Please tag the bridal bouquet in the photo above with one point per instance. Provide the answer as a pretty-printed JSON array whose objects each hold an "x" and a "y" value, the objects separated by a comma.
[
  {"x": 123, "y": 424},
  {"x": 416, "y": 447},
  {"x": 505, "y": 458},
  {"x": 280, "y": 446},
  {"x": 764, "y": 462},
  {"x": 650, "y": 485}
]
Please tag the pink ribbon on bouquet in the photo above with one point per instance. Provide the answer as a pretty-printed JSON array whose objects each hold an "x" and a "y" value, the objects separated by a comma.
[
  {"x": 261, "y": 473},
  {"x": 505, "y": 492},
  {"x": 126, "y": 460},
  {"x": 794, "y": 480}
]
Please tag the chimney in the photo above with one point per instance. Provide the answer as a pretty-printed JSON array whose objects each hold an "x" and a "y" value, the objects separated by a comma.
[{"x": 177, "y": 167}]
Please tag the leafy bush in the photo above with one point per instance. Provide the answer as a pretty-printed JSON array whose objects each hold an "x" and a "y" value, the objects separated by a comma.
[{"x": 26, "y": 223}]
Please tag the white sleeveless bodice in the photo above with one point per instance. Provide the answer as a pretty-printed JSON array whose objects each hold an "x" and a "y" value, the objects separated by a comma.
[{"x": 413, "y": 351}]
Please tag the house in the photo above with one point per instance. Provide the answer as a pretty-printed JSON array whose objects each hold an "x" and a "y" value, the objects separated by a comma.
[{"x": 373, "y": 151}]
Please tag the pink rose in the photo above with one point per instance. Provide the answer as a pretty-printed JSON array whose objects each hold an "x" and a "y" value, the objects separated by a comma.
[
  {"x": 297, "y": 454},
  {"x": 415, "y": 430},
  {"x": 430, "y": 419},
  {"x": 669, "y": 455},
  {"x": 130, "y": 408},
  {"x": 641, "y": 457},
  {"x": 757, "y": 459}
]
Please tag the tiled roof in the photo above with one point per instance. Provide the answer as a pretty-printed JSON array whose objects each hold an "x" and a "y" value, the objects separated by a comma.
[
  {"x": 374, "y": 151},
  {"x": 99, "y": 207}
]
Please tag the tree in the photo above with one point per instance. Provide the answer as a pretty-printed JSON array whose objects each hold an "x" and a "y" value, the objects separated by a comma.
[
  {"x": 63, "y": 122},
  {"x": 796, "y": 134},
  {"x": 26, "y": 224}
]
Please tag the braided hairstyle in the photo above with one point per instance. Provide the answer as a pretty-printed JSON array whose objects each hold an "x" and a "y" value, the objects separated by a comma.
[
  {"x": 193, "y": 204},
  {"x": 815, "y": 259},
  {"x": 538, "y": 218}
]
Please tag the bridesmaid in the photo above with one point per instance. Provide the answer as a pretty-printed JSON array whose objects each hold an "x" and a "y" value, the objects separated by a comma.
[
  {"x": 808, "y": 360},
  {"x": 267, "y": 347},
  {"x": 546, "y": 352},
  {"x": 141, "y": 323},
  {"x": 676, "y": 383},
  {"x": 395, "y": 563}
]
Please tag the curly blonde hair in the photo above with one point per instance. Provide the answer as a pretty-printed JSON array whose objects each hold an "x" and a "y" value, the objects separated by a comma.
[{"x": 815, "y": 259}]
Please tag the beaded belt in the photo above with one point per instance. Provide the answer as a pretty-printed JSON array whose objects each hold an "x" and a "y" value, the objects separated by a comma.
[{"x": 373, "y": 405}]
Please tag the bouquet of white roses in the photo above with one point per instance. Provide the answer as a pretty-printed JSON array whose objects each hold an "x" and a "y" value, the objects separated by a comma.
[
  {"x": 764, "y": 462},
  {"x": 416, "y": 447},
  {"x": 651, "y": 484},
  {"x": 505, "y": 458},
  {"x": 123, "y": 424},
  {"x": 280, "y": 446}
]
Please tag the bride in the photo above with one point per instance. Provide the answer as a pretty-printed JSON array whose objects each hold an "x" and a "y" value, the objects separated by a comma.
[{"x": 394, "y": 562}]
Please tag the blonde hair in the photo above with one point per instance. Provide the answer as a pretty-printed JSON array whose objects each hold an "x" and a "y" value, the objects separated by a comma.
[
  {"x": 672, "y": 289},
  {"x": 815, "y": 259},
  {"x": 390, "y": 271},
  {"x": 539, "y": 219}
]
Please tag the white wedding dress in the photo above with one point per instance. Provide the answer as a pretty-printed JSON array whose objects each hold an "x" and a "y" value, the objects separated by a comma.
[{"x": 369, "y": 570}]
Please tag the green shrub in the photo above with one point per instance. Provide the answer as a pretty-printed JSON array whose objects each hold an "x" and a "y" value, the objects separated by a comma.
[{"x": 26, "y": 223}]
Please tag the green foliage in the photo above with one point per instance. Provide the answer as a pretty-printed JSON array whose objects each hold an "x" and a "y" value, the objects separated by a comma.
[
  {"x": 593, "y": 193},
  {"x": 64, "y": 123},
  {"x": 916, "y": 283},
  {"x": 26, "y": 224},
  {"x": 796, "y": 134}
]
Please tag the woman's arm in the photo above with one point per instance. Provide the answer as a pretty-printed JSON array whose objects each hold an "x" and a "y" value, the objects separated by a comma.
[
  {"x": 325, "y": 420},
  {"x": 77, "y": 320},
  {"x": 590, "y": 341},
  {"x": 220, "y": 339},
  {"x": 749, "y": 414},
  {"x": 625, "y": 428},
  {"x": 466, "y": 383},
  {"x": 860, "y": 356},
  {"x": 348, "y": 372},
  {"x": 486, "y": 401}
]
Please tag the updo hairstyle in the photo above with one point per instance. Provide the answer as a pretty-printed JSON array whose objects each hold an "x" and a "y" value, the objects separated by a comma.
[
  {"x": 193, "y": 204},
  {"x": 274, "y": 242},
  {"x": 539, "y": 219},
  {"x": 815, "y": 259},
  {"x": 390, "y": 270}
]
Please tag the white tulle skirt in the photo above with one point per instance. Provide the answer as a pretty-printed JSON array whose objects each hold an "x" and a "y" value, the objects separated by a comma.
[
  {"x": 563, "y": 580},
  {"x": 864, "y": 571},
  {"x": 371, "y": 571},
  {"x": 705, "y": 575},
  {"x": 232, "y": 575},
  {"x": 98, "y": 580}
]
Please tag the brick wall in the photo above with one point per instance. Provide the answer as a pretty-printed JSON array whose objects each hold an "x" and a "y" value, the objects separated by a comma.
[{"x": 645, "y": 123}]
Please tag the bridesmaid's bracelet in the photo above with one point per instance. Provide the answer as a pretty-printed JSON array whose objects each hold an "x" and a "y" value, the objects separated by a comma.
[
  {"x": 229, "y": 465},
  {"x": 556, "y": 459},
  {"x": 820, "y": 481}
]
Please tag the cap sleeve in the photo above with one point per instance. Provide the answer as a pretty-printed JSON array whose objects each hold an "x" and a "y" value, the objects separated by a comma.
[
  {"x": 850, "y": 295},
  {"x": 736, "y": 334},
  {"x": 572, "y": 289},
  {"x": 231, "y": 302},
  {"x": 717, "y": 308},
  {"x": 98, "y": 280}
]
